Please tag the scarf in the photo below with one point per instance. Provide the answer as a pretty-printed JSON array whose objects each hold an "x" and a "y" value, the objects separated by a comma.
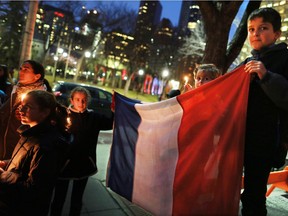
[{"x": 21, "y": 89}]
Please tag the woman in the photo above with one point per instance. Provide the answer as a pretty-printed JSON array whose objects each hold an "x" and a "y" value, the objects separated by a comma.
[
  {"x": 27, "y": 179},
  {"x": 31, "y": 76}
]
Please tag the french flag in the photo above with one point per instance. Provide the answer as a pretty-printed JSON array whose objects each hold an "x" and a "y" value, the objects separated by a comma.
[{"x": 184, "y": 155}]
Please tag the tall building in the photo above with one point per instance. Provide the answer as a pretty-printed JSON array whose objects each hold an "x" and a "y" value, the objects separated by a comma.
[
  {"x": 189, "y": 17},
  {"x": 51, "y": 24},
  {"x": 148, "y": 18}
]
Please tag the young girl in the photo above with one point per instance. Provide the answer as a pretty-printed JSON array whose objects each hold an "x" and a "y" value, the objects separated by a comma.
[
  {"x": 28, "y": 178},
  {"x": 81, "y": 163}
]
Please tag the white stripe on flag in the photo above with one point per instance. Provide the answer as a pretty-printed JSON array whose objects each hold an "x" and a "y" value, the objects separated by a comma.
[{"x": 158, "y": 167}]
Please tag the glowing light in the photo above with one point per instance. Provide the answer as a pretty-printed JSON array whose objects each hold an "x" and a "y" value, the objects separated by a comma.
[
  {"x": 23, "y": 96},
  {"x": 186, "y": 79}
]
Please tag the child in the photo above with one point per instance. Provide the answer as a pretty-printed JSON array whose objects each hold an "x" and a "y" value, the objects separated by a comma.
[
  {"x": 28, "y": 178},
  {"x": 203, "y": 74},
  {"x": 267, "y": 106},
  {"x": 81, "y": 163},
  {"x": 31, "y": 77}
]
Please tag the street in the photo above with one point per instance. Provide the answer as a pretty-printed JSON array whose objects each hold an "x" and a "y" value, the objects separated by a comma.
[{"x": 277, "y": 204}]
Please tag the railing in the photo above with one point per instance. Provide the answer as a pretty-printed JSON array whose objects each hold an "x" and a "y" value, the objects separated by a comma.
[{"x": 277, "y": 179}]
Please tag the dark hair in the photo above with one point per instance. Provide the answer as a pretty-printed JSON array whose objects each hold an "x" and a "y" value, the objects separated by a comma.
[
  {"x": 211, "y": 68},
  {"x": 47, "y": 85},
  {"x": 46, "y": 100},
  {"x": 81, "y": 90},
  {"x": 37, "y": 68},
  {"x": 269, "y": 15}
]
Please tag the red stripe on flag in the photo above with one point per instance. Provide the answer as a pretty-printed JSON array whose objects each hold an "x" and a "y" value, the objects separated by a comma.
[{"x": 211, "y": 143}]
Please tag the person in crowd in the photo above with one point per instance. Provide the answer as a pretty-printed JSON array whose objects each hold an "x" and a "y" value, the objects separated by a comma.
[
  {"x": 81, "y": 163},
  {"x": 31, "y": 77},
  {"x": 5, "y": 83},
  {"x": 27, "y": 179},
  {"x": 267, "y": 107},
  {"x": 173, "y": 93},
  {"x": 203, "y": 74}
]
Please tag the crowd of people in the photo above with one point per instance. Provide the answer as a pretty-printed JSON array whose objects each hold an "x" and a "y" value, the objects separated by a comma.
[{"x": 44, "y": 145}]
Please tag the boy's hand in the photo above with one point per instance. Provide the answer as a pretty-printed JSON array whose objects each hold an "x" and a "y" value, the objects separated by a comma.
[
  {"x": 256, "y": 67},
  {"x": 2, "y": 164}
]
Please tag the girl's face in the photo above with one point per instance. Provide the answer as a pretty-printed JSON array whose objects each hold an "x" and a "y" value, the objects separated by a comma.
[
  {"x": 30, "y": 112},
  {"x": 27, "y": 75},
  {"x": 261, "y": 34},
  {"x": 202, "y": 77},
  {"x": 79, "y": 101}
]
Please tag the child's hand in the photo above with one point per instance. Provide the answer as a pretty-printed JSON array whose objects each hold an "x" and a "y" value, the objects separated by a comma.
[
  {"x": 2, "y": 164},
  {"x": 187, "y": 87},
  {"x": 256, "y": 67}
]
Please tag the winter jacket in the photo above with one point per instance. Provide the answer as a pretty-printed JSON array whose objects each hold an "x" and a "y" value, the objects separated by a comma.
[
  {"x": 10, "y": 120},
  {"x": 268, "y": 101},
  {"x": 85, "y": 128},
  {"x": 27, "y": 183}
]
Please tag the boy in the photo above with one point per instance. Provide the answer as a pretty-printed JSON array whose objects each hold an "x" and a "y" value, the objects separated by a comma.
[{"x": 267, "y": 106}]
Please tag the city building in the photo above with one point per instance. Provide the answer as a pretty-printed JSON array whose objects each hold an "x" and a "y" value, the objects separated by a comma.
[{"x": 148, "y": 19}]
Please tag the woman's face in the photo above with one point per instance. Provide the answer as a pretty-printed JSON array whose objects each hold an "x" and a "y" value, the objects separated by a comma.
[
  {"x": 79, "y": 101},
  {"x": 30, "y": 112},
  {"x": 27, "y": 75}
]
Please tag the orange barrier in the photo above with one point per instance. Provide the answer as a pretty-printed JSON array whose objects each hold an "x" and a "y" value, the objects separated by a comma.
[{"x": 277, "y": 179}]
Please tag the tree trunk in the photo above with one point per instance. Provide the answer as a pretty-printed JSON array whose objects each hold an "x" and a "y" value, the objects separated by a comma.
[
  {"x": 217, "y": 19},
  {"x": 29, "y": 32}
]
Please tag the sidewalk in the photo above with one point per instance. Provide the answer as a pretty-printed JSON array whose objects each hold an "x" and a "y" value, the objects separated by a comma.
[{"x": 101, "y": 201}]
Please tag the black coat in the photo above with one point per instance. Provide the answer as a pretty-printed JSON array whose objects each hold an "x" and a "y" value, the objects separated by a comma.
[
  {"x": 27, "y": 183},
  {"x": 85, "y": 128},
  {"x": 268, "y": 102}
]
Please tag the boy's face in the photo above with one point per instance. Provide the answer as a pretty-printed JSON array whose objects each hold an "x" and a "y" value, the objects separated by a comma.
[
  {"x": 261, "y": 34},
  {"x": 202, "y": 77}
]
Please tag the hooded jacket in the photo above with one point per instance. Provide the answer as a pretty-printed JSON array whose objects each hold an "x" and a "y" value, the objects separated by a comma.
[
  {"x": 27, "y": 183},
  {"x": 9, "y": 118},
  {"x": 267, "y": 114}
]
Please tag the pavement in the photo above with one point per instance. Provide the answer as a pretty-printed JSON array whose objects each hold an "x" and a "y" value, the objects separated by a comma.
[{"x": 101, "y": 201}]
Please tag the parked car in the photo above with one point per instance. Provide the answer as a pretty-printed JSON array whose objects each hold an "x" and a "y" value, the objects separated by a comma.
[{"x": 100, "y": 99}]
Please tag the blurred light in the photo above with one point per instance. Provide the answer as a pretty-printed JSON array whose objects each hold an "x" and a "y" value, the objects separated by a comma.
[
  {"x": 165, "y": 73},
  {"x": 141, "y": 72},
  {"x": 87, "y": 54}
]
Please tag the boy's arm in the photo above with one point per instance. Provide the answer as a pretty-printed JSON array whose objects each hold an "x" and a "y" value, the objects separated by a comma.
[{"x": 276, "y": 88}]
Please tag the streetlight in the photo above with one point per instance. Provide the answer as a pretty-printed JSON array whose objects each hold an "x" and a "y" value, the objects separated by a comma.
[{"x": 141, "y": 72}]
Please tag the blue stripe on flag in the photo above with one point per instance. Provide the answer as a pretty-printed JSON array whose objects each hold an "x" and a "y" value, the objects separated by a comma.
[{"x": 121, "y": 169}]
